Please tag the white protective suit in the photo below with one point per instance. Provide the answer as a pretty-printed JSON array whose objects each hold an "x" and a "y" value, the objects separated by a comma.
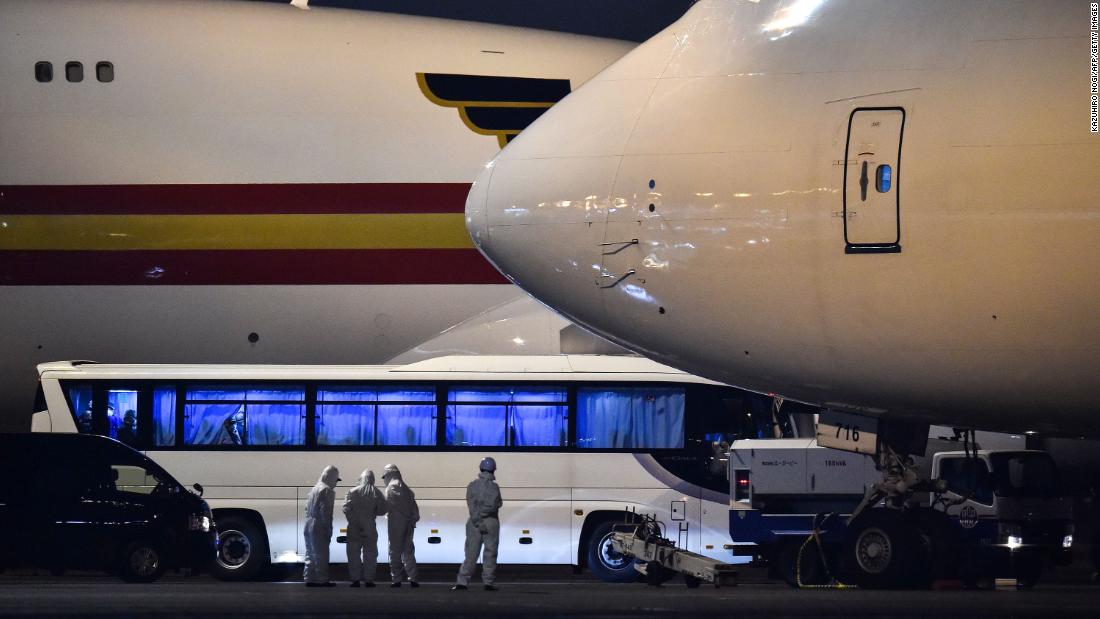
[
  {"x": 318, "y": 529},
  {"x": 363, "y": 504},
  {"x": 483, "y": 528},
  {"x": 403, "y": 516}
]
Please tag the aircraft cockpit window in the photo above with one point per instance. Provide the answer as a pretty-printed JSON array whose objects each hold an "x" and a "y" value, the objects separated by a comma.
[
  {"x": 105, "y": 72},
  {"x": 43, "y": 71},
  {"x": 74, "y": 71}
]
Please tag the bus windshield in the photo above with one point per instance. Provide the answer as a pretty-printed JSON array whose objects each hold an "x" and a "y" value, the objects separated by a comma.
[{"x": 1025, "y": 474}]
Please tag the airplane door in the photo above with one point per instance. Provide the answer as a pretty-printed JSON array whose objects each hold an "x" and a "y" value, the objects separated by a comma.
[{"x": 872, "y": 207}]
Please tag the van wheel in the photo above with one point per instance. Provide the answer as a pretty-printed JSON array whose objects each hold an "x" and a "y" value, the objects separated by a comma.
[
  {"x": 604, "y": 562},
  {"x": 882, "y": 550},
  {"x": 242, "y": 549},
  {"x": 142, "y": 561}
]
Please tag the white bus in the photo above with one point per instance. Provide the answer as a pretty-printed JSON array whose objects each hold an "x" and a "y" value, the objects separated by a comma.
[{"x": 579, "y": 440}]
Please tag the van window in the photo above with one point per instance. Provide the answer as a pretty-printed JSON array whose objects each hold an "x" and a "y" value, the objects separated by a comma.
[
  {"x": 628, "y": 417},
  {"x": 134, "y": 479},
  {"x": 1025, "y": 474},
  {"x": 968, "y": 477}
]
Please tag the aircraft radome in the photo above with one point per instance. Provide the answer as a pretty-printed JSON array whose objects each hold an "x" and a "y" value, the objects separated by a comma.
[{"x": 888, "y": 207}]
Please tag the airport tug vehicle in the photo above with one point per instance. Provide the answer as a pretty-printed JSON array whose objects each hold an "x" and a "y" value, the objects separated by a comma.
[{"x": 855, "y": 507}]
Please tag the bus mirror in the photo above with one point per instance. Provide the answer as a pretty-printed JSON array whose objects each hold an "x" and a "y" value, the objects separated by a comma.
[{"x": 198, "y": 488}]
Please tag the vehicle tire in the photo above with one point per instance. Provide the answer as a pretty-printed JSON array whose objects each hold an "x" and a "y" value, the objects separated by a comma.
[
  {"x": 692, "y": 582},
  {"x": 141, "y": 561},
  {"x": 242, "y": 549},
  {"x": 602, "y": 559},
  {"x": 882, "y": 550}
]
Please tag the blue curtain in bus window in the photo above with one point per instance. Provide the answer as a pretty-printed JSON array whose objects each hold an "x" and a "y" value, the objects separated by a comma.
[
  {"x": 470, "y": 425},
  {"x": 119, "y": 405},
  {"x": 406, "y": 424},
  {"x": 658, "y": 416},
  {"x": 345, "y": 423},
  {"x": 629, "y": 418},
  {"x": 212, "y": 423},
  {"x": 538, "y": 426},
  {"x": 80, "y": 396},
  {"x": 275, "y": 424},
  {"x": 164, "y": 416},
  {"x": 247, "y": 417}
]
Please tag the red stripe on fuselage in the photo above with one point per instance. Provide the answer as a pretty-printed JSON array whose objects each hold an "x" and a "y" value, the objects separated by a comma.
[
  {"x": 251, "y": 199},
  {"x": 244, "y": 267}
]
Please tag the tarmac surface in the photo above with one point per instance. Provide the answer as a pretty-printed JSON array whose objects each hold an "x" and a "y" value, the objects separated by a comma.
[{"x": 524, "y": 591}]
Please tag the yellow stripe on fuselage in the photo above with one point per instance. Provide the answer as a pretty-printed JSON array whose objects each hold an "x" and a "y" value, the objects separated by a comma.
[{"x": 168, "y": 232}]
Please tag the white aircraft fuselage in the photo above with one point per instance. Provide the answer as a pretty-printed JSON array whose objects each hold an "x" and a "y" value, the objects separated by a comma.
[
  {"x": 250, "y": 168},
  {"x": 885, "y": 207}
]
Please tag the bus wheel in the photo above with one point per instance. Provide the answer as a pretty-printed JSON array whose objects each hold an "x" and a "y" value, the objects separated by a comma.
[
  {"x": 141, "y": 562},
  {"x": 242, "y": 550},
  {"x": 604, "y": 562}
]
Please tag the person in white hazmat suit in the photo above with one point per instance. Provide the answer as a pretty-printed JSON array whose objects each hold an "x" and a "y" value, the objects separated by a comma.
[
  {"x": 401, "y": 521},
  {"x": 363, "y": 504},
  {"x": 318, "y": 529},
  {"x": 482, "y": 528}
]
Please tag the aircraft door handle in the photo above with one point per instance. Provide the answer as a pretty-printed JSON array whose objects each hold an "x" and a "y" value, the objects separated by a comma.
[
  {"x": 617, "y": 280},
  {"x": 618, "y": 245},
  {"x": 863, "y": 182}
]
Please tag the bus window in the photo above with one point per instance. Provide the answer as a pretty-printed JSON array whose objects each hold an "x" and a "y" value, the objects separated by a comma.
[
  {"x": 406, "y": 416},
  {"x": 629, "y": 418},
  {"x": 164, "y": 416},
  {"x": 80, "y": 403},
  {"x": 515, "y": 416},
  {"x": 375, "y": 415},
  {"x": 477, "y": 417},
  {"x": 235, "y": 415},
  {"x": 122, "y": 415},
  {"x": 345, "y": 416}
]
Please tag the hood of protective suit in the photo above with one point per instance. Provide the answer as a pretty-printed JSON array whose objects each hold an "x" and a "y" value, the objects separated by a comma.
[
  {"x": 330, "y": 476},
  {"x": 366, "y": 478},
  {"x": 391, "y": 474}
]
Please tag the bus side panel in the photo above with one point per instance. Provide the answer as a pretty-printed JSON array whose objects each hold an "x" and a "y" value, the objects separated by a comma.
[
  {"x": 60, "y": 418},
  {"x": 535, "y": 526}
]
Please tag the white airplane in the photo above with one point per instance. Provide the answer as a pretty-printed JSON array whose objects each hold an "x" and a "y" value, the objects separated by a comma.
[
  {"x": 883, "y": 207},
  {"x": 250, "y": 182}
]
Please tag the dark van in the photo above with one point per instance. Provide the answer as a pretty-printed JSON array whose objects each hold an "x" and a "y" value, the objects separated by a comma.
[{"x": 89, "y": 502}]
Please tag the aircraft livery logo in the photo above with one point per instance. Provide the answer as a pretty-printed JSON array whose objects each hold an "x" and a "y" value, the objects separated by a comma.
[{"x": 493, "y": 105}]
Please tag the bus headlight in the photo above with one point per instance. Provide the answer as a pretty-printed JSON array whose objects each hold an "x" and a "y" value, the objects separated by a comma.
[
  {"x": 1067, "y": 541},
  {"x": 1014, "y": 541},
  {"x": 200, "y": 523}
]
